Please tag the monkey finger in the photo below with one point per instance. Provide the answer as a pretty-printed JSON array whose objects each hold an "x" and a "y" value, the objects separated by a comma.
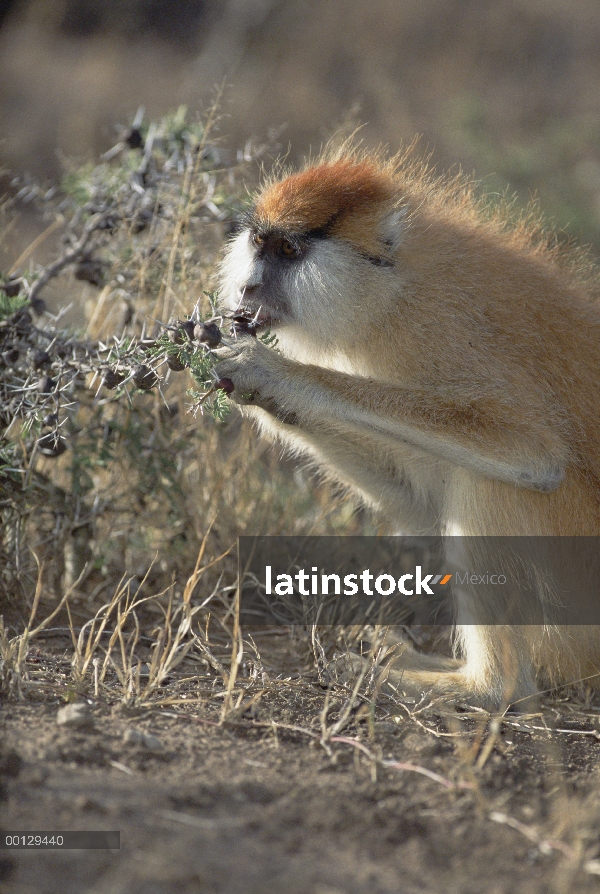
[{"x": 226, "y": 352}]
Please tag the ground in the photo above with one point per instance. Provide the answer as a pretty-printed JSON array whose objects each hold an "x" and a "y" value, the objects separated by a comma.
[{"x": 403, "y": 798}]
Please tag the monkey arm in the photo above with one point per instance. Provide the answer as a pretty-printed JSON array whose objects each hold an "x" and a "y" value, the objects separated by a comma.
[{"x": 486, "y": 433}]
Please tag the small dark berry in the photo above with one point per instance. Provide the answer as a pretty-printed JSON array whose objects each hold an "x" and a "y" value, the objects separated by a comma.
[
  {"x": 188, "y": 326},
  {"x": 134, "y": 138},
  {"x": 52, "y": 444},
  {"x": 41, "y": 359},
  {"x": 90, "y": 270},
  {"x": 177, "y": 335},
  {"x": 12, "y": 287},
  {"x": 23, "y": 321},
  {"x": 225, "y": 385},
  {"x": 175, "y": 363},
  {"x": 11, "y": 356},
  {"x": 50, "y": 419},
  {"x": 181, "y": 331},
  {"x": 208, "y": 334},
  {"x": 46, "y": 385},
  {"x": 38, "y": 306},
  {"x": 145, "y": 378},
  {"x": 112, "y": 379},
  {"x": 243, "y": 326}
]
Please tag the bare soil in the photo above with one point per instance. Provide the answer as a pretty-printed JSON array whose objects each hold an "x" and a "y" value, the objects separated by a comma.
[{"x": 267, "y": 803}]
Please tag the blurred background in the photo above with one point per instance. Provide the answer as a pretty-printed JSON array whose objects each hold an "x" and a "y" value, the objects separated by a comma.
[{"x": 505, "y": 88}]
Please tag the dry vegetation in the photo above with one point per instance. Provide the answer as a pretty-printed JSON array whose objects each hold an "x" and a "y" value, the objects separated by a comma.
[
  {"x": 119, "y": 511},
  {"x": 114, "y": 477},
  {"x": 97, "y": 463}
]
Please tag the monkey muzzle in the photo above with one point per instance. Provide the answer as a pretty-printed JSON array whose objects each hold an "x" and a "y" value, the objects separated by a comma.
[{"x": 256, "y": 312}]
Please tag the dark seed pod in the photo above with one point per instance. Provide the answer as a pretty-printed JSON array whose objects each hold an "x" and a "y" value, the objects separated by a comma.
[
  {"x": 176, "y": 334},
  {"x": 208, "y": 334},
  {"x": 243, "y": 326},
  {"x": 10, "y": 356},
  {"x": 50, "y": 419},
  {"x": 41, "y": 359},
  {"x": 175, "y": 363},
  {"x": 112, "y": 379},
  {"x": 134, "y": 138},
  {"x": 225, "y": 385},
  {"x": 12, "y": 287},
  {"x": 22, "y": 321},
  {"x": 38, "y": 306},
  {"x": 46, "y": 385},
  {"x": 52, "y": 444},
  {"x": 145, "y": 378},
  {"x": 90, "y": 270},
  {"x": 181, "y": 331},
  {"x": 188, "y": 326}
]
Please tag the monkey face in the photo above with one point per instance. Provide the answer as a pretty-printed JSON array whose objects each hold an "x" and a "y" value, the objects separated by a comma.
[
  {"x": 255, "y": 271},
  {"x": 283, "y": 279},
  {"x": 315, "y": 251}
]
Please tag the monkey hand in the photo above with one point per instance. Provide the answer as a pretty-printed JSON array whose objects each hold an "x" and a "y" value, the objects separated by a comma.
[{"x": 258, "y": 374}]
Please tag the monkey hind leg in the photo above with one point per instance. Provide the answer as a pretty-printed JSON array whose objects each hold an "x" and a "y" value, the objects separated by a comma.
[{"x": 495, "y": 672}]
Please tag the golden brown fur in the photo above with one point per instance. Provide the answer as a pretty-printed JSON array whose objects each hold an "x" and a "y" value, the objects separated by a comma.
[{"x": 439, "y": 359}]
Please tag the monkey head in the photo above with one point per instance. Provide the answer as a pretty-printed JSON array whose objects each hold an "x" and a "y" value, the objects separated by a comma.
[{"x": 314, "y": 248}]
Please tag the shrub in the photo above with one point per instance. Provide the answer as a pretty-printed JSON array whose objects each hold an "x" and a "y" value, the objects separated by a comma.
[{"x": 104, "y": 471}]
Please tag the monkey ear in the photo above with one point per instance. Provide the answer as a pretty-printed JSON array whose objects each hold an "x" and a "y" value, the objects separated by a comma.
[{"x": 392, "y": 228}]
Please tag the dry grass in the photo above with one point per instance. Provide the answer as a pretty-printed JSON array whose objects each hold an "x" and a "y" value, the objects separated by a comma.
[{"x": 185, "y": 662}]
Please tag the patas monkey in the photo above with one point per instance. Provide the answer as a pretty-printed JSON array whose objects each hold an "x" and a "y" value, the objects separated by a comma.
[{"x": 438, "y": 360}]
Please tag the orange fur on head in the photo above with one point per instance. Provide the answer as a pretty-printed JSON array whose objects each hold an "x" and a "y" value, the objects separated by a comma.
[{"x": 347, "y": 197}]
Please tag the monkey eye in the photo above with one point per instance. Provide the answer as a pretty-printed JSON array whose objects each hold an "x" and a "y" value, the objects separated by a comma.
[
  {"x": 288, "y": 248},
  {"x": 257, "y": 239}
]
